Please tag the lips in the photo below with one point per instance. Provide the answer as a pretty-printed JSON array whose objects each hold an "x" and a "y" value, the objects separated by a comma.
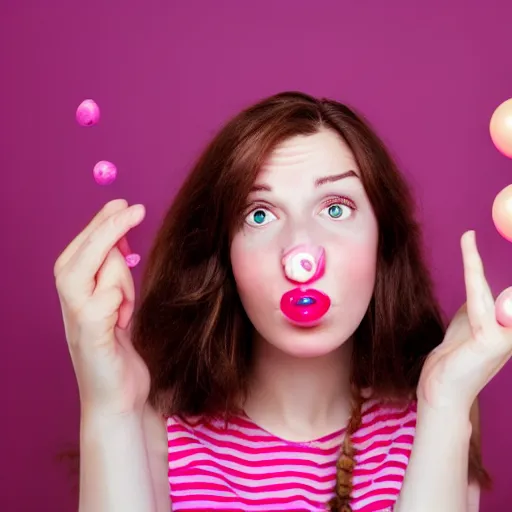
[{"x": 305, "y": 306}]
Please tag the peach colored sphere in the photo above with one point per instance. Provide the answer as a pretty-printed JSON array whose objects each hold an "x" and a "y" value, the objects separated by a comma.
[
  {"x": 500, "y": 128},
  {"x": 502, "y": 213},
  {"x": 504, "y": 308}
]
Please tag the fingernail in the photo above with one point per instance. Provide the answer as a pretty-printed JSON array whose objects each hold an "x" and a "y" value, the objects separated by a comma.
[
  {"x": 137, "y": 209},
  {"x": 132, "y": 260}
]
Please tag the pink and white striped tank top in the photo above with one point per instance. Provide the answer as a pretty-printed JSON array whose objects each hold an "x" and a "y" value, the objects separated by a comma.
[{"x": 242, "y": 467}]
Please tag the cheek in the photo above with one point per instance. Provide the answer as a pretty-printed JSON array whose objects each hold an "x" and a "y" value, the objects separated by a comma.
[
  {"x": 362, "y": 263},
  {"x": 355, "y": 261},
  {"x": 254, "y": 270}
]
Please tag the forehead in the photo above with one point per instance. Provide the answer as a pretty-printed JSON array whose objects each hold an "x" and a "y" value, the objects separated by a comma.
[{"x": 308, "y": 156}]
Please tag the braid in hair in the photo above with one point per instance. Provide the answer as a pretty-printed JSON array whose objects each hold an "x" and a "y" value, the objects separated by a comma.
[{"x": 346, "y": 461}]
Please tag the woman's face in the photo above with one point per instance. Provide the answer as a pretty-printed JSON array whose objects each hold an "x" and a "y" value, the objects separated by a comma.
[{"x": 308, "y": 192}]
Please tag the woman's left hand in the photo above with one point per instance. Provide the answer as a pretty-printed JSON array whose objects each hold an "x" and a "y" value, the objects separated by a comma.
[{"x": 475, "y": 347}]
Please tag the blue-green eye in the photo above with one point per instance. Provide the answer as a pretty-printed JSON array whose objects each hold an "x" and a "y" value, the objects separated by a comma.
[
  {"x": 260, "y": 217},
  {"x": 335, "y": 211},
  {"x": 339, "y": 211}
]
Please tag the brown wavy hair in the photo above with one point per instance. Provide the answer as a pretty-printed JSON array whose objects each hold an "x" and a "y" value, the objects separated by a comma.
[{"x": 190, "y": 326}]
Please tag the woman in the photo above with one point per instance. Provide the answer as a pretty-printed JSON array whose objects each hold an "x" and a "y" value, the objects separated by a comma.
[{"x": 224, "y": 395}]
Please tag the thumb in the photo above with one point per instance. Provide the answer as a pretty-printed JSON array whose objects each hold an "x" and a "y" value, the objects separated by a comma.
[{"x": 100, "y": 317}]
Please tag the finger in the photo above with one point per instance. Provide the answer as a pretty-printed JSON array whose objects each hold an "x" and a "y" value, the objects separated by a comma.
[
  {"x": 115, "y": 273},
  {"x": 89, "y": 258},
  {"x": 124, "y": 246},
  {"x": 480, "y": 302},
  {"x": 107, "y": 210}
]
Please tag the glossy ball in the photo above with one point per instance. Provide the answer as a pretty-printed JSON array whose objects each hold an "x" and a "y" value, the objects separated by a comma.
[
  {"x": 500, "y": 128},
  {"x": 504, "y": 308},
  {"x": 104, "y": 172},
  {"x": 502, "y": 213},
  {"x": 88, "y": 113}
]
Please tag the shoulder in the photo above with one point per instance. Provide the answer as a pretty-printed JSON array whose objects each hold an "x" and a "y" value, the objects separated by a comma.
[
  {"x": 182, "y": 431},
  {"x": 392, "y": 415},
  {"x": 387, "y": 431},
  {"x": 383, "y": 445}
]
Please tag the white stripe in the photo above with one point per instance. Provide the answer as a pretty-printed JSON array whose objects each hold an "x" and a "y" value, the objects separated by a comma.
[
  {"x": 214, "y": 505},
  {"x": 375, "y": 486},
  {"x": 255, "y": 457},
  {"x": 211, "y": 438}
]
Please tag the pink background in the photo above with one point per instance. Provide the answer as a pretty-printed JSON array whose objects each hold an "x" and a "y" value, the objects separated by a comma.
[{"x": 166, "y": 75}]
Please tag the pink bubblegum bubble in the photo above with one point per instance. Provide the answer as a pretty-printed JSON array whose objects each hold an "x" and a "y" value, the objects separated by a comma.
[
  {"x": 502, "y": 213},
  {"x": 104, "y": 172},
  {"x": 504, "y": 308},
  {"x": 500, "y": 128},
  {"x": 132, "y": 260},
  {"x": 88, "y": 113}
]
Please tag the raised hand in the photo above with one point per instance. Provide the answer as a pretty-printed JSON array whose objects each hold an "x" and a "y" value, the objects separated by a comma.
[
  {"x": 475, "y": 347},
  {"x": 96, "y": 293}
]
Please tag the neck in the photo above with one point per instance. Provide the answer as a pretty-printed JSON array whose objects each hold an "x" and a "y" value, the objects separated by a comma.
[{"x": 299, "y": 399}]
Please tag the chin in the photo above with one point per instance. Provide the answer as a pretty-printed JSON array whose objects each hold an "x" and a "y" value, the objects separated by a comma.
[
  {"x": 315, "y": 340},
  {"x": 307, "y": 350}
]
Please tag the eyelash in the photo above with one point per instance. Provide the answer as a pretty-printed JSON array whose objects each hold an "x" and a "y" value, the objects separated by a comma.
[
  {"x": 326, "y": 204},
  {"x": 340, "y": 200}
]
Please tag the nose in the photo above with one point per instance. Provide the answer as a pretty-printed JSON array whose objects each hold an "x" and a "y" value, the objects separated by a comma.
[{"x": 304, "y": 263}]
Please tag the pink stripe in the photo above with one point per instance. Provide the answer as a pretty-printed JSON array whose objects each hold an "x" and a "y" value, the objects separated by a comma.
[
  {"x": 261, "y": 501},
  {"x": 260, "y": 489},
  {"x": 381, "y": 506},
  {"x": 406, "y": 452},
  {"x": 225, "y": 472}
]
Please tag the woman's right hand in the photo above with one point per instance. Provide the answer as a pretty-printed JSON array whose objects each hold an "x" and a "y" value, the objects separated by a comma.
[{"x": 97, "y": 295}]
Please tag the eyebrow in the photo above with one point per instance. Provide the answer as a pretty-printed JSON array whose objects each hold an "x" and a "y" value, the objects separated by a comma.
[
  {"x": 336, "y": 177},
  {"x": 318, "y": 182}
]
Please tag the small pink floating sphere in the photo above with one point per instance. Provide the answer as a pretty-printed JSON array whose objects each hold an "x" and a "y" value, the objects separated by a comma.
[
  {"x": 502, "y": 213},
  {"x": 88, "y": 113},
  {"x": 104, "y": 172},
  {"x": 132, "y": 260},
  {"x": 504, "y": 308},
  {"x": 500, "y": 128}
]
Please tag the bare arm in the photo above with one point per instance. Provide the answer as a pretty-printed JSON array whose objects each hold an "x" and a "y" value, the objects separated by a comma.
[
  {"x": 473, "y": 497},
  {"x": 155, "y": 429},
  {"x": 114, "y": 467},
  {"x": 436, "y": 477},
  {"x": 437, "y": 474},
  {"x": 474, "y": 488}
]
